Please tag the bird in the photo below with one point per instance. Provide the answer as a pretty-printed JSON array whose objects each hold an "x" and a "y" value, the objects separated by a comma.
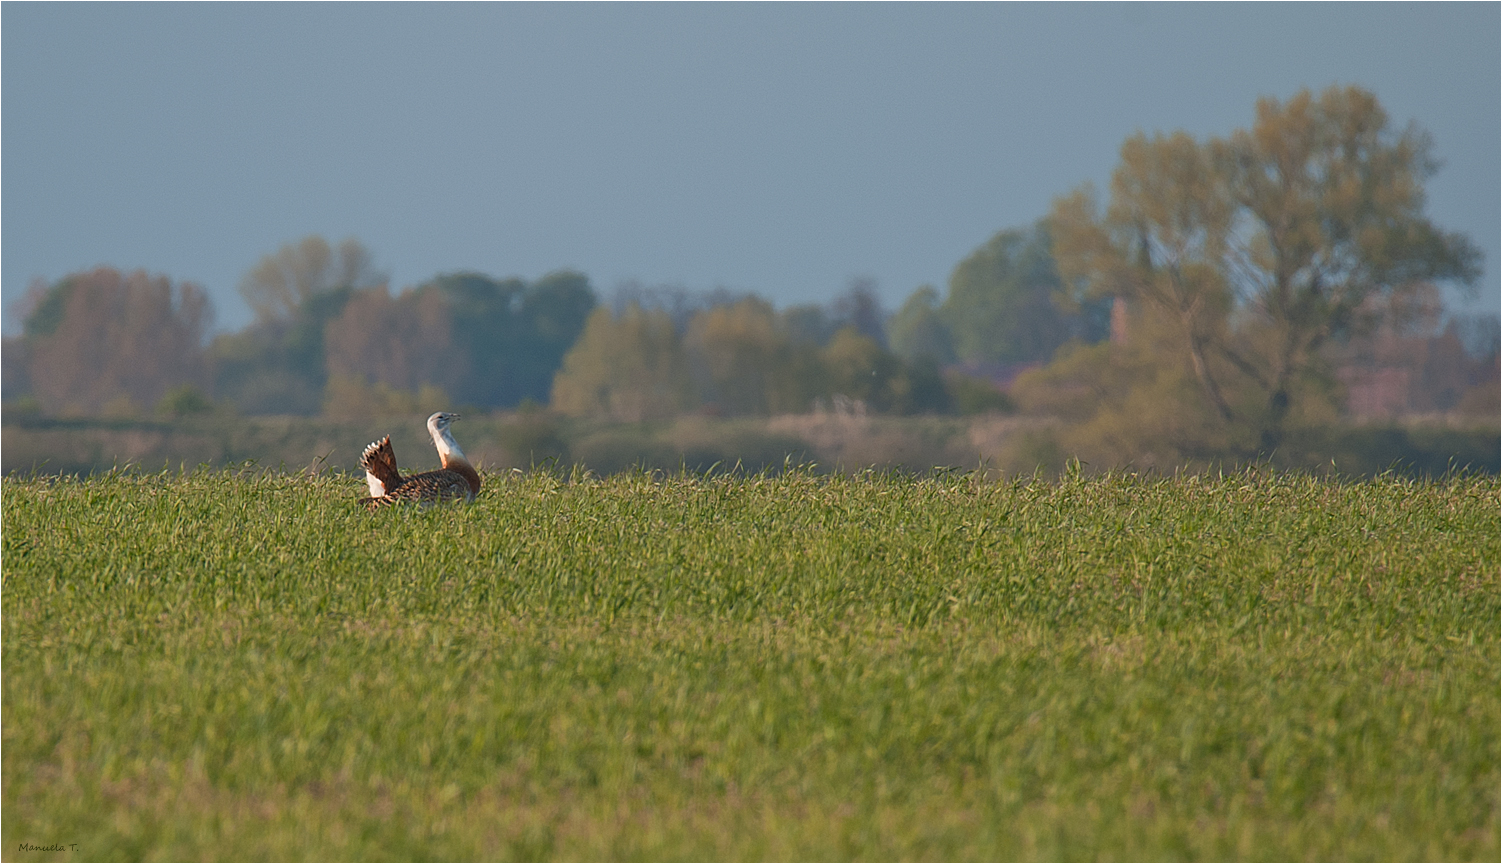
[{"x": 456, "y": 481}]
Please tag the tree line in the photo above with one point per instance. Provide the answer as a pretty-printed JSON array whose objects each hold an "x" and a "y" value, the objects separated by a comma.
[
  {"x": 330, "y": 337},
  {"x": 1214, "y": 303}
]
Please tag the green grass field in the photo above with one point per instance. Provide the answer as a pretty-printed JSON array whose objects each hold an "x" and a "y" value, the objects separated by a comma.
[{"x": 1255, "y": 666}]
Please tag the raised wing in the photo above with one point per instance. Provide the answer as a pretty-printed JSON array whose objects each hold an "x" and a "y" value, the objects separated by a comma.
[{"x": 379, "y": 462}]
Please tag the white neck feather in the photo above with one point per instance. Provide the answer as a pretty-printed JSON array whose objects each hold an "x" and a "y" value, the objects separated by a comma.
[{"x": 448, "y": 448}]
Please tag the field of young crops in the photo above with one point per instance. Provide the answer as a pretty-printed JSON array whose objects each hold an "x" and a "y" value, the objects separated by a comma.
[{"x": 248, "y": 666}]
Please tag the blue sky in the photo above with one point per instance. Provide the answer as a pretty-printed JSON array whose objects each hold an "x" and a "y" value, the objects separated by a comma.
[{"x": 779, "y": 148}]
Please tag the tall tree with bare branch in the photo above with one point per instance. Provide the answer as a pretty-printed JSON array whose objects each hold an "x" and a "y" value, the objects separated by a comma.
[{"x": 1256, "y": 250}]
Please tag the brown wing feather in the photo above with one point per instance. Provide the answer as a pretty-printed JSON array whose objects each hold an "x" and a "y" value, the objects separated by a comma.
[
  {"x": 426, "y": 488},
  {"x": 380, "y": 460}
]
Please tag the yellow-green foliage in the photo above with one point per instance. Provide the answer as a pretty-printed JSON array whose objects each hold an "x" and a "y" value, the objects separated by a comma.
[
  {"x": 628, "y": 369},
  {"x": 675, "y": 667},
  {"x": 1225, "y": 249}
]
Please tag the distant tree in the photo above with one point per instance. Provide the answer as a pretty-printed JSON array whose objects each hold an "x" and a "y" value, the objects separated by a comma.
[
  {"x": 681, "y": 304},
  {"x": 860, "y": 308},
  {"x": 737, "y": 358},
  {"x": 108, "y": 338},
  {"x": 45, "y": 304},
  {"x": 1004, "y": 300},
  {"x": 277, "y": 365},
  {"x": 628, "y": 368},
  {"x": 1446, "y": 373},
  {"x": 859, "y": 368},
  {"x": 553, "y": 311},
  {"x": 1481, "y": 335},
  {"x": 735, "y": 352},
  {"x": 404, "y": 342},
  {"x": 969, "y": 395},
  {"x": 1252, "y": 253},
  {"x": 512, "y": 334},
  {"x": 184, "y": 400},
  {"x": 918, "y": 330},
  {"x": 1122, "y": 405},
  {"x": 15, "y": 363},
  {"x": 280, "y": 283},
  {"x": 798, "y": 377},
  {"x": 1416, "y": 369},
  {"x": 808, "y": 323},
  {"x": 488, "y": 331},
  {"x": 921, "y": 388}
]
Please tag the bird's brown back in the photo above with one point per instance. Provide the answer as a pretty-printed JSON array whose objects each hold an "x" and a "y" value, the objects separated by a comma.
[{"x": 430, "y": 487}]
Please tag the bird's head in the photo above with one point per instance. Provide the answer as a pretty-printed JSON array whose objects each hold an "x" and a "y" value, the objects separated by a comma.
[{"x": 439, "y": 422}]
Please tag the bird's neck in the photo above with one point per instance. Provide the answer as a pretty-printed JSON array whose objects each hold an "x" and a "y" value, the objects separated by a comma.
[
  {"x": 453, "y": 459},
  {"x": 448, "y": 448}
]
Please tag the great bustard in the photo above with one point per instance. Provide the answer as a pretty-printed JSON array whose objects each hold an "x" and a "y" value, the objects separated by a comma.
[{"x": 456, "y": 481}]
